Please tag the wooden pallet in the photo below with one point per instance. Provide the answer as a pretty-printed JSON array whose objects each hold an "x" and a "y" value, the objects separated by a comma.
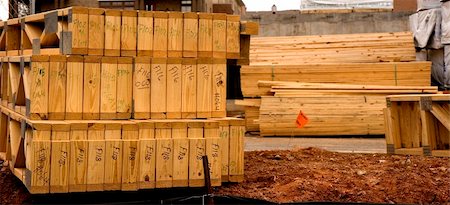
[
  {"x": 94, "y": 31},
  {"x": 74, "y": 87},
  {"x": 389, "y": 74},
  {"x": 418, "y": 125},
  {"x": 343, "y": 48},
  {"x": 79, "y": 156}
]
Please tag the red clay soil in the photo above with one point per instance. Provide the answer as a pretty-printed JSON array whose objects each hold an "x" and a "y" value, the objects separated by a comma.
[
  {"x": 312, "y": 175},
  {"x": 308, "y": 175}
]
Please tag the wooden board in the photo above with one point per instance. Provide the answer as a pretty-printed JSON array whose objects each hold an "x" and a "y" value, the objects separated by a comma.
[
  {"x": 233, "y": 40},
  {"x": 219, "y": 89},
  {"x": 141, "y": 87},
  {"x": 147, "y": 164},
  {"x": 204, "y": 88},
  {"x": 112, "y": 32},
  {"x": 96, "y": 37},
  {"x": 145, "y": 33},
  {"x": 128, "y": 42},
  {"x": 175, "y": 35},
  {"x": 181, "y": 154},
  {"x": 57, "y": 88},
  {"x": 39, "y": 93},
  {"x": 74, "y": 88},
  {"x": 130, "y": 167},
  {"x": 197, "y": 149},
  {"x": 189, "y": 88},
  {"x": 219, "y": 35},
  {"x": 164, "y": 155},
  {"x": 190, "y": 36},
  {"x": 60, "y": 160},
  {"x": 174, "y": 88},
  {"x": 114, "y": 156},
  {"x": 91, "y": 87},
  {"x": 124, "y": 88},
  {"x": 205, "y": 35},
  {"x": 158, "y": 88},
  {"x": 96, "y": 157},
  {"x": 78, "y": 156},
  {"x": 160, "y": 34},
  {"x": 108, "y": 88}
]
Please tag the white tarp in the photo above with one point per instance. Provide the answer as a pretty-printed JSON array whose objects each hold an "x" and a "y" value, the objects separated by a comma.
[
  {"x": 428, "y": 4},
  {"x": 438, "y": 70},
  {"x": 345, "y": 4},
  {"x": 446, "y": 72},
  {"x": 423, "y": 25},
  {"x": 445, "y": 25}
]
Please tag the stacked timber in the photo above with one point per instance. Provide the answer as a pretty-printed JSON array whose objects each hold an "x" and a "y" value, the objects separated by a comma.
[
  {"x": 389, "y": 74},
  {"x": 97, "y": 100},
  {"x": 332, "y": 109},
  {"x": 418, "y": 125},
  {"x": 376, "y": 59},
  {"x": 354, "y": 48}
]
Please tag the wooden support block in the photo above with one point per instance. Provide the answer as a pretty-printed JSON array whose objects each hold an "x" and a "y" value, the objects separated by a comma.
[
  {"x": 160, "y": 34},
  {"x": 108, "y": 90},
  {"x": 128, "y": 44},
  {"x": 39, "y": 93},
  {"x": 219, "y": 72},
  {"x": 204, "y": 87},
  {"x": 60, "y": 161},
  {"x": 233, "y": 37},
  {"x": 249, "y": 28},
  {"x": 189, "y": 88},
  {"x": 78, "y": 156},
  {"x": 4, "y": 81},
  {"x": 79, "y": 28},
  {"x": 211, "y": 133},
  {"x": 175, "y": 35},
  {"x": 220, "y": 36},
  {"x": 130, "y": 171},
  {"x": 96, "y": 37},
  {"x": 205, "y": 35},
  {"x": 57, "y": 88},
  {"x": 174, "y": 85},
  {"x": 124, "y": 87},
  {"x": 197, "y": 149},
  {"x": 244, "y": 50},
  {"x": 236, "y": 160},
  {"x": 96, "y": 157},
  {"x": 74, "y": 91},
  {"x": 113, "y": 155},
  {"x": 164, "y": 154},
  {"x": 112, "y": 32},
  {"x": 13, "y": 31},
  {"x": 181, "y": 154},
  {"x": 224, "y": 137},
  {"x": 38, "y": 174},
  {"x": 3, "y": 134},
  {"x": 190, "y": 36},
  {"x": 141, "y": 87},
  {"x": 91, "y": 87},
  {"x": 147, "y": 152},
  {"x": 145, "y": 33},
  {"x": 158, "y": 87}
]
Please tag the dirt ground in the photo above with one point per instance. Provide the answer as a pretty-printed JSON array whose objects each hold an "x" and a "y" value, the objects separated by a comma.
[
  {"x": 305, "y": 175},
  {"x": 315, "y": 175}
]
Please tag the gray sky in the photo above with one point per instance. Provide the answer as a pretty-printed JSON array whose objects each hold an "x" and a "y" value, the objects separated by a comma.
[{"x": 266, "y": 5}]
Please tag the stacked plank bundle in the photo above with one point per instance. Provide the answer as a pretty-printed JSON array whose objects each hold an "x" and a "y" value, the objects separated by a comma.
[
  {"x": 95, "y": 99},
  {"x": 332, "y": 109},
  {"x": 418, "y": 125},
  {"x": 378, "y": 59}
]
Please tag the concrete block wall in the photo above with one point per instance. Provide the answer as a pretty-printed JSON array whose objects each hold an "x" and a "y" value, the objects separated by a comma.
[{"x": 293, "y": 23}]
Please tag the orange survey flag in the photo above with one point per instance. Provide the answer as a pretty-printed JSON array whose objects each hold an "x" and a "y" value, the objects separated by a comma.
[{"x": 302, "y": 120}]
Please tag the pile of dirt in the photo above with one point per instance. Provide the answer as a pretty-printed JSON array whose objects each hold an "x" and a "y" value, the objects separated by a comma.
[
  {"x": 300, "y": 175},
  {"x": 305, "y": 175}
]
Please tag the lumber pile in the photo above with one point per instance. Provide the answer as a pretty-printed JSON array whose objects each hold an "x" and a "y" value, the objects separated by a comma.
[
  {"x": 332, "y": 109},
  {"x": 100, "y": 100},
  {"x": 349, "y": 48},
  {"x": 389, "y": 74},
  {"x": 418, "y": 125}
]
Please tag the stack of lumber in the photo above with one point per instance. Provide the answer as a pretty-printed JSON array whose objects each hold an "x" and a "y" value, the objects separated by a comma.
[
  {"x": 350, "y": 48},
  {"x": 79, "y": 156},
  {"x": 96, "y": 99},
  {"x": 418, "y": 125},
  {"x": 394, "y": 73},
  {"x": 332, "y": 109}
]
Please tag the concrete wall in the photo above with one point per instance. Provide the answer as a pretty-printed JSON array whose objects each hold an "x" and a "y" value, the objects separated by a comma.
[{"x": 292, "y": 23}]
